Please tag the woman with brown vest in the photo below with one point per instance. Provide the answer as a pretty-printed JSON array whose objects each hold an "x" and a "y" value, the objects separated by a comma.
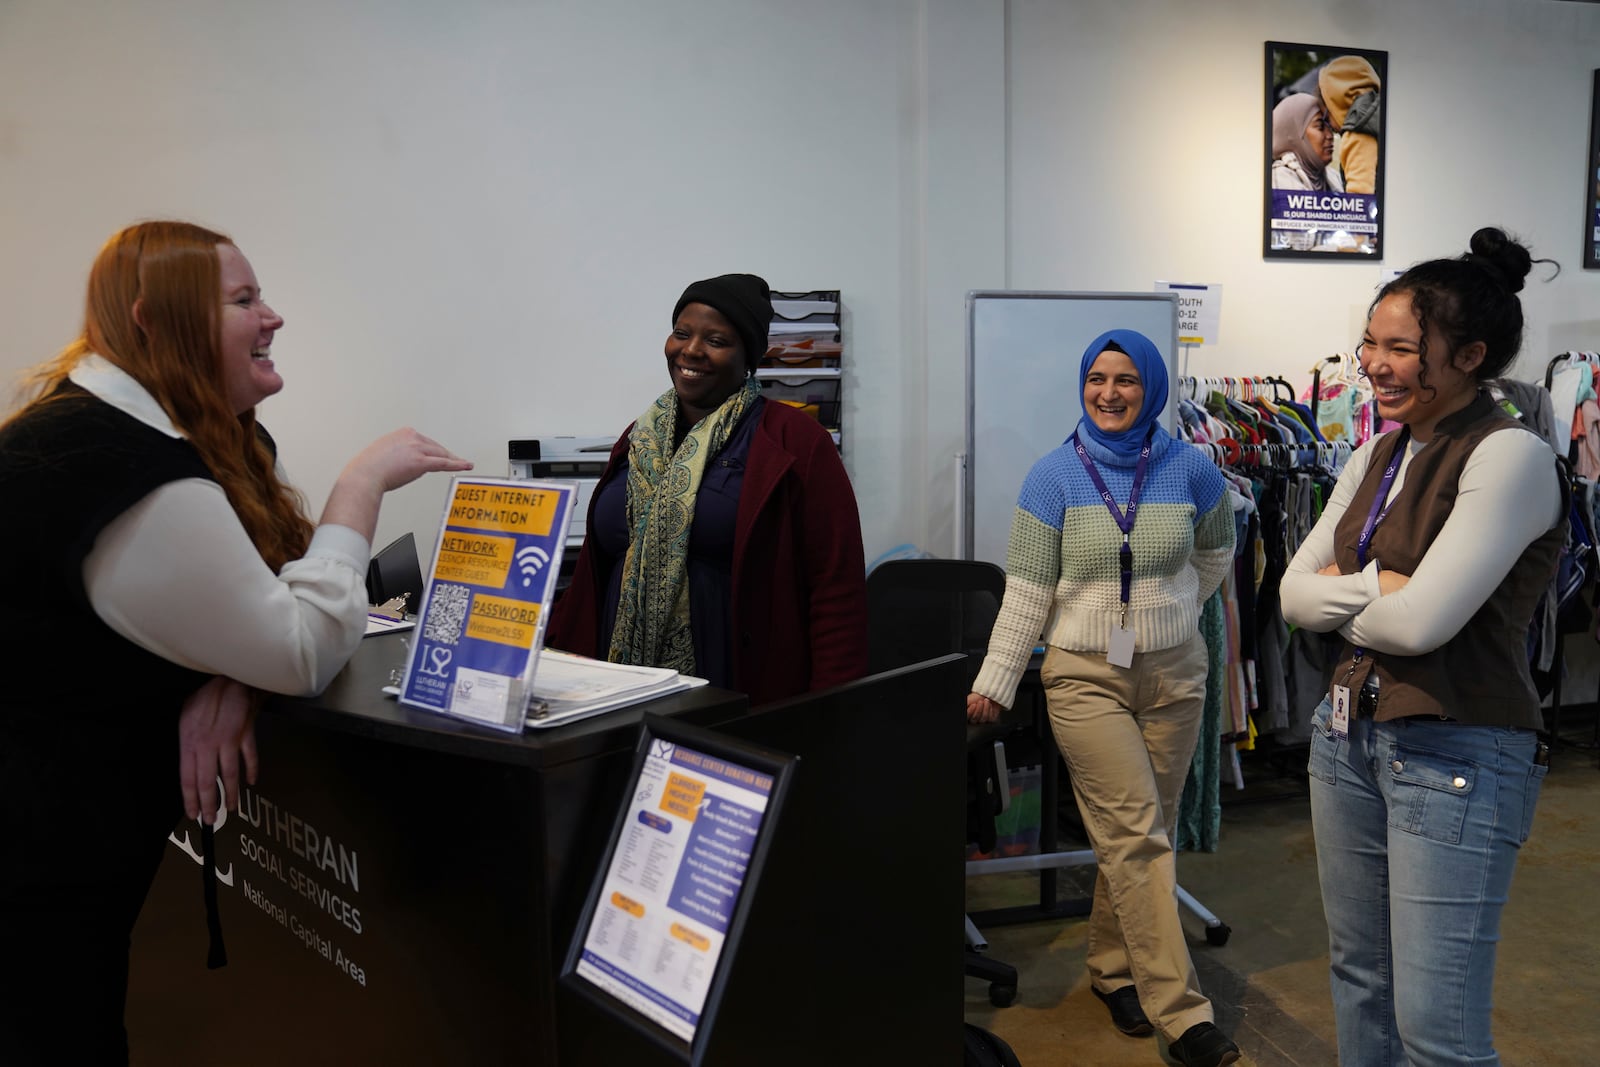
[{"x": 1425, "y": 766}]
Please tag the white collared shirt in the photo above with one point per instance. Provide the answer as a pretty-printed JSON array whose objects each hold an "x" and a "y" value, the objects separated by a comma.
[{"x": 177, "y": 575}]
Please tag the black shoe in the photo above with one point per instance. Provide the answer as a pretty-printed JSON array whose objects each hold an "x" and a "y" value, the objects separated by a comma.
[
  {"x": 1126, "y": 1014},
  {"x": 1203, "y": 1045}
]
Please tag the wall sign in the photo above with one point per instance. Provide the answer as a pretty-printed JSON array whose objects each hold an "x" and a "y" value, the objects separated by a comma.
[
  {"x": 1325, "y": 157},
  {"x": 1199, "y": 311}
]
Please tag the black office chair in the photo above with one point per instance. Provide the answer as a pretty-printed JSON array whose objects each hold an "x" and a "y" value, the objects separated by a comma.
[
  {"x": 396, "y": 572},
  {"x": 918, "y": 609}
]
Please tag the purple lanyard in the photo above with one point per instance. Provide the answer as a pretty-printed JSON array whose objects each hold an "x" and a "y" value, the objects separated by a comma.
[
  {"x": 1124, "y": 520},
  {"x": 1381, "y": 503}
]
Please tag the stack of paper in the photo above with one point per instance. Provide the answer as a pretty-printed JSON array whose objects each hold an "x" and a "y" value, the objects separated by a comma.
[
  {"x": 385, "y": 624},
  {"x": 568, "y": 687}
]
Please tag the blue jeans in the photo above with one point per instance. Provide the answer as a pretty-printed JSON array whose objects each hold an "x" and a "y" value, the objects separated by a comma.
[{"x": 1418, "y": 823}]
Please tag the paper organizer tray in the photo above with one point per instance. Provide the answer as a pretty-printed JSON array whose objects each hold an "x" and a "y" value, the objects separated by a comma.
[
  {"x": 804, "y": 330},
  {"x": 817, "y": 394}
]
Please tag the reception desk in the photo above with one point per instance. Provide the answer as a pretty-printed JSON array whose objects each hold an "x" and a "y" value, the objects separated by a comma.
[{"x": 401, "y": 888}]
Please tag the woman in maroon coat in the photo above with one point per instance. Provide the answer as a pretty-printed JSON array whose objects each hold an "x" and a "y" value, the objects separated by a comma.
[{"x": 723, "y": 538}]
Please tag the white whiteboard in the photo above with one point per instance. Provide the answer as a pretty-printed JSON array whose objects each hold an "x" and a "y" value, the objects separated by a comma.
[{"x": 1023, "y": 350}]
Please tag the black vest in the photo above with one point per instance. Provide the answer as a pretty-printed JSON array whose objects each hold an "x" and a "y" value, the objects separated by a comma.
[{"x": 88, "y": 720}]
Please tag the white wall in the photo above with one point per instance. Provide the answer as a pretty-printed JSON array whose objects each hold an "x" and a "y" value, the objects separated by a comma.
[
  {"x": 476, "y": 216},
  {"x": 1137, "y": 140}
]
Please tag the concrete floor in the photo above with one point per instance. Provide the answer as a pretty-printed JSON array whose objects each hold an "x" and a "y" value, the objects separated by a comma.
[{"x": 1269, "y": 983}]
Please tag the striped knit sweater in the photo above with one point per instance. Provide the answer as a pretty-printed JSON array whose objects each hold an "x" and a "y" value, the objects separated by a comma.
[{"x": 1063, "y": 576}]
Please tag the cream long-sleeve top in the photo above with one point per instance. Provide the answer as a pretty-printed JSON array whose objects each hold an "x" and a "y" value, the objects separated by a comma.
[
  {"x": 1506, "y": 499},
  {"x": 178, "y": 576}
]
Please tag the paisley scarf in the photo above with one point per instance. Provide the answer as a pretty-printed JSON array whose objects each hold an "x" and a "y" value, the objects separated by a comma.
[{"x": 653, "y": 611}]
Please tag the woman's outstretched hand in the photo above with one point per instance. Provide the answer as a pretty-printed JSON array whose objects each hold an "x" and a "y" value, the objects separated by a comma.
[
  {"x": 393, "y": 460},
  {"x": 400, "y": 458},
  {"x": 981, "y": 709},
  {"x": 216, "y": 730}
]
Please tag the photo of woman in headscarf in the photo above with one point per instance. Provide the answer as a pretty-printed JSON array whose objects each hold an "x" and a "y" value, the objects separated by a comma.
[{"x": 1302, "y": 145}]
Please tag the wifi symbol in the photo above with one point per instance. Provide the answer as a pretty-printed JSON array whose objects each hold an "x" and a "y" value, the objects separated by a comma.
[{"x": 529, "y": 561}]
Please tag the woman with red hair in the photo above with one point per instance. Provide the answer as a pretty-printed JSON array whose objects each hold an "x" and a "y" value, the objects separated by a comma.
[{"x": 160, "y": 570}]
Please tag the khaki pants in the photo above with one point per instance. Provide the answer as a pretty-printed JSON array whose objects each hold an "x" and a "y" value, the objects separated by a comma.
[{"x": 1127, "y": 735}]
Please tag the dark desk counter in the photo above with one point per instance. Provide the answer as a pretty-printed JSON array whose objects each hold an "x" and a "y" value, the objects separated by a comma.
[
  {"x": 398, "y": 888},
  {"x": 401, "y": 888},
  {"x": 354, "y": 704}
]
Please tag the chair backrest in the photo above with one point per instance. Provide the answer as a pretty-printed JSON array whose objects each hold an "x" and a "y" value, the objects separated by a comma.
[
  {"x": 918, "y": 609},
  {"x": 396, "y": 571}
]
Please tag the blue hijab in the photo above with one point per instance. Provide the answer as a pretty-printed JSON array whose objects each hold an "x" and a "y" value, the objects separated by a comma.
[{"x": 1152, "y": 375}]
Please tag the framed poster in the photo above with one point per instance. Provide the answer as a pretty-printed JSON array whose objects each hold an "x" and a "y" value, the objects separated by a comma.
[
  {"x": 1323, "y": 178},
  {"x": 1591, "y": 184},
  {"x": 664, "y": 914}
]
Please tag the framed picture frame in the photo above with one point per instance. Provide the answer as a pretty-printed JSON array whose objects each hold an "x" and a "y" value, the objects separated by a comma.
[
  {"x": 663, "y": 918},
  {"x": 1324, "y": 159},
  {"x": 1591, "y": 183}
]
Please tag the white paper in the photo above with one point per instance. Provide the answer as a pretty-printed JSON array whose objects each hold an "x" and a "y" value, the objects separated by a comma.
[
  {"x": 378, "y": 624},
  {"x": 1120, "y": 654}
]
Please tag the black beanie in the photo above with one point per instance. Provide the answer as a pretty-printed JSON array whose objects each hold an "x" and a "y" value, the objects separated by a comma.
[{"x": 744, "y": 300}]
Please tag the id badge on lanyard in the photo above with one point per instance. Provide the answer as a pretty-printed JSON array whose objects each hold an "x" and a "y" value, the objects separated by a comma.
[
  {"x": 1340, "y": 721},
  {"x": 1119, "y": 651}
]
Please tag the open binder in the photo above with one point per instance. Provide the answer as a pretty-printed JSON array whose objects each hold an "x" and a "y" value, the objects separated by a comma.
[{"x": 567, "y": 687}]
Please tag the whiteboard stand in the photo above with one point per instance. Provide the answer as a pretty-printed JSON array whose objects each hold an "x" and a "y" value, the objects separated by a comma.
[
  {"x": 1023, "y": 397},
  {"x": 1217, "y": 931},
  {"x": 959, "y": 528}
]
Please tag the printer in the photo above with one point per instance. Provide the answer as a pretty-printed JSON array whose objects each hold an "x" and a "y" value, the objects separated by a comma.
[{"x": 567, "y": 459}]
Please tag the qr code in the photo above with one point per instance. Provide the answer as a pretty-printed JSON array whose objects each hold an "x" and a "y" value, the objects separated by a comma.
[{"x": 447, "y": 613}]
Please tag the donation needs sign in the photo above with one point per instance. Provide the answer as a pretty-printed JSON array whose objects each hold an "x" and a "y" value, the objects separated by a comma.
[{"x": 674, "y": 882}]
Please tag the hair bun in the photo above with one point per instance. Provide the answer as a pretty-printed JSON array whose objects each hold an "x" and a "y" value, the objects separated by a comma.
[{"x": 1500, "y": 256}]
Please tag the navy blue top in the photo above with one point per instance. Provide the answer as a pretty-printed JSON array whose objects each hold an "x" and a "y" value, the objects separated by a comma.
[{"x": 716, "y": 511}]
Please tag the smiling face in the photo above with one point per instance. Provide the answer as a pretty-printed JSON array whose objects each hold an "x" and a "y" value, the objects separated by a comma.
[
  {"x": 705, "y": 359},
  {"x": 1113, "y": 392},
  {"x": 245, "y": 329},
  {"x": 1392, "y": 357}
]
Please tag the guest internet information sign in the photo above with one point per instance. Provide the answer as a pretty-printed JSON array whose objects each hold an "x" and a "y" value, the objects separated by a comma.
[{"x": 483, "y": 618}]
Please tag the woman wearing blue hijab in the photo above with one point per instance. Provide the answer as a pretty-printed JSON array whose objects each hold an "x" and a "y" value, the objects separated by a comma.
[{"x": 1120, "y": 535}]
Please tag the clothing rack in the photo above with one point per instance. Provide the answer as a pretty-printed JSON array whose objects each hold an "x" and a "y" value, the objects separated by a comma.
[
  {"x": 1567, "y": 357},
  {"x": 1339, "y": 359},
  {"x": 1271, "y": 452},
  {"x": 1557, "y": 666},
  {"x": 1329, "y": 454},
  {"x": 1244, "y": 389}
]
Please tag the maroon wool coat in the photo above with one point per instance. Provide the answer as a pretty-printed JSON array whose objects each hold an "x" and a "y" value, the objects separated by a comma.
[{"x": 799, "y": 612}]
